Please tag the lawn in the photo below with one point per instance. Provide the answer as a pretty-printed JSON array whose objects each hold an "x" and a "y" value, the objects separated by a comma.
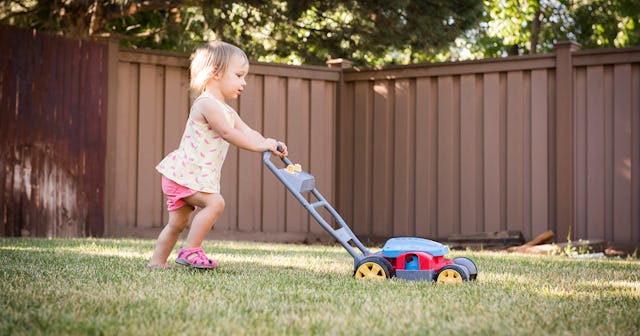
[{"x": 100, "y": 286}]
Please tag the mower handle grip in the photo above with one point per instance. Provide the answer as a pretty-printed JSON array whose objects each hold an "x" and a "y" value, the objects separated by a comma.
[{"x": 267, "y": 155}]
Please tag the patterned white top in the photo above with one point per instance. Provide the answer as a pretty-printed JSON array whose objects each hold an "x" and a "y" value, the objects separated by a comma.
[{"x": 197, "y": 162}]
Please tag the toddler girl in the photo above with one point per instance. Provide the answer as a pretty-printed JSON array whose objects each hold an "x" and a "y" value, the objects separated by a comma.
[{"x": 191, "y": 174}]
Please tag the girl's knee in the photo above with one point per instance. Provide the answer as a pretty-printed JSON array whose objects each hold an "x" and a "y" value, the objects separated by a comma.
[
  {"x": 217, "y": 203},
  {"x": 178, "y": 226},
  {"x": 222, "y": 202},
  {"x": 179, "y": 219}
]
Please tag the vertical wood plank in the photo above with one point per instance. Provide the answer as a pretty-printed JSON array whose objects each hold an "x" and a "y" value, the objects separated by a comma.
[
  {"x": 608, "y": 94},
  {"x": 345, "y": 173},
  {"x": 176, "y": 108},
  {"x": 526, "y": 171},
  {"x": 622, "y": 153},
  {"x": 382, "y": 165},
  {"x": 126, "y": 165},
  {"x": 564, "y": 139},
  {"x": 363, "y": 123},
  {"x": 596, "y": 152},
  {"x": 274, "y": 111},
  {"x": 113, "y": 80},
  {"x": 515, "y": 152},
  {"x": 635, "y": 153},
  {"x": 493, "y": 129},
  {"x": 580, "y": 229},
  {"x": 62, "y": 229},
  {"x": 426, "y": 211},
  {"x": 539, "y": 153},
  {"x": 150, "y": 130},
  {"x": 321, "y": 142},
  {"x": 249, "y": 167},
  {"x": 448, "y": 162},
  {"x": 471, "y": 209},
  {"x": 298, "y": 143},
  {"x": 404, "y": 159},
  {"x": 96, "y": 153}
]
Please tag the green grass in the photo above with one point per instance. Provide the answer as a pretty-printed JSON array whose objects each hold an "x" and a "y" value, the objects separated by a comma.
[{"x": 100, "y": 286}]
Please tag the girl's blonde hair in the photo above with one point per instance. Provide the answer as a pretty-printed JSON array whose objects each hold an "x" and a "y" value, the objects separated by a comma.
[{"x": 210, "y": 60}]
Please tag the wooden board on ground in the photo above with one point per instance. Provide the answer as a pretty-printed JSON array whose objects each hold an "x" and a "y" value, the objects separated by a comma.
[
  {"x": 485, "y": 240},
  {"x": 540, "y": 239}
]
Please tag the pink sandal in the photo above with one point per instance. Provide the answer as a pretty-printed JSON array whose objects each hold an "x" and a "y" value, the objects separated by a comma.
[{"x": 195, "y": 257}]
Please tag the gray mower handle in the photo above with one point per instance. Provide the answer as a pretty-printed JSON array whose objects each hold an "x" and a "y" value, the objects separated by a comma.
[{"x": 267, "y": 155}]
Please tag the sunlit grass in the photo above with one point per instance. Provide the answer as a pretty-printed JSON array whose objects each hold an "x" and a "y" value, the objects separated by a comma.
[{"x": 100, "y": 286}]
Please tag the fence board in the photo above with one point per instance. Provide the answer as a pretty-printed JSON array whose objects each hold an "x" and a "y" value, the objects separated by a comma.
[
  {"x": 515, "y": 151},
  {"x": 471, "y": 155},
  {"x": 249, "y": 168},
  {"x": 607, "y": 228},
  {"x": 321, "y": 141},
  {"x": 622, "y": 143},
  {"x": 492, "y": 152},
  {"x": 126, "y": 148},
  {"x": 298, "y": 119},
  {"x": 273, "y": 197},
  {"x": 345, "y": 150},
  {"x": 634, "y": 168},
  {"x": 383, "y": 160},
  {"x": 539, "y": 152},
  {"x": 448, "y": 156},
  {"x": 403, "y": 159},
  {"x": 426, "y": 153},
  {"x": 150, "y": 130},
  {"x": 362, "y": 178},
  {"x": 580, "y": 153},
  {"x": 595, "y": 189}
]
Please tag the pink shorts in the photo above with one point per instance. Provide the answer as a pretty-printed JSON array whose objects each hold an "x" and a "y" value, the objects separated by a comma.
[{"x": 175, "y": 193}]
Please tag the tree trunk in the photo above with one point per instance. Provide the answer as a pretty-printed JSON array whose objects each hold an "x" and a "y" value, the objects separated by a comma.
[{"x": 535, "y": 30}]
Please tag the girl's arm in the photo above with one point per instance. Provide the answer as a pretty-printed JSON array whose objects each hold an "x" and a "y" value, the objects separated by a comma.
[{"x": 240, "y": 134}]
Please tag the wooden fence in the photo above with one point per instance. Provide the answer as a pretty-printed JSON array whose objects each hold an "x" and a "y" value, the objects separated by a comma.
[
  {"x": 296, "y": 104},
  {"x": 521, "y": 143},
  {"x": 549, "y": 142},
  {"x": 52, "y": 136}
]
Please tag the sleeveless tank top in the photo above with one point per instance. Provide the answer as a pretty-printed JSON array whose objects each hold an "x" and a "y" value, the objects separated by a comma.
[{"x": 197, "y": 162}]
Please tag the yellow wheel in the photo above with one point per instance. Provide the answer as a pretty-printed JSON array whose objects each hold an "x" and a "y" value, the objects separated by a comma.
[
  {"x": 453, "y": 274},
  {"x": 373, "y": 268}
]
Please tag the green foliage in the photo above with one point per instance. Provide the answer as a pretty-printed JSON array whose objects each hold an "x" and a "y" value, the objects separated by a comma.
[
  {"x": 311, "y": 32},
  {"x": 377, "y": 32},
  {"x": 100, "y": 286},
  {"x": 291, "y": 31},
  {"x": 572, "y": 249},
  {"x": 516, "y": 27}
]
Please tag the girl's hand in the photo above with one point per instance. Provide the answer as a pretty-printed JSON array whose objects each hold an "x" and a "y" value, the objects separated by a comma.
[
  {"x": 272, "y": 145},
  {"x": 281, "y": 149}
]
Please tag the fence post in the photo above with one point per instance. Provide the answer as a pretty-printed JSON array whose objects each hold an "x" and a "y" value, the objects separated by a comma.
[
  {"x": 110, "y": 156},
  {"x": 564, "y": 141}
]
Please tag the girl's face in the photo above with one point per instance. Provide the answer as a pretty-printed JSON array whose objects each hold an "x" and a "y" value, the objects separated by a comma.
[{"x": 232, "y": 82}]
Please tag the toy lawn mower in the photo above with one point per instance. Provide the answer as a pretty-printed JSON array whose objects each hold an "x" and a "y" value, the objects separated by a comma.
[{"x": 406, "y": 258}]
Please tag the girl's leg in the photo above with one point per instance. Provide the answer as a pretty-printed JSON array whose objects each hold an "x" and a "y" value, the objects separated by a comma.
[
  {"x": 178, "y": 220},
  {"x": 211, "y": 206}
]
